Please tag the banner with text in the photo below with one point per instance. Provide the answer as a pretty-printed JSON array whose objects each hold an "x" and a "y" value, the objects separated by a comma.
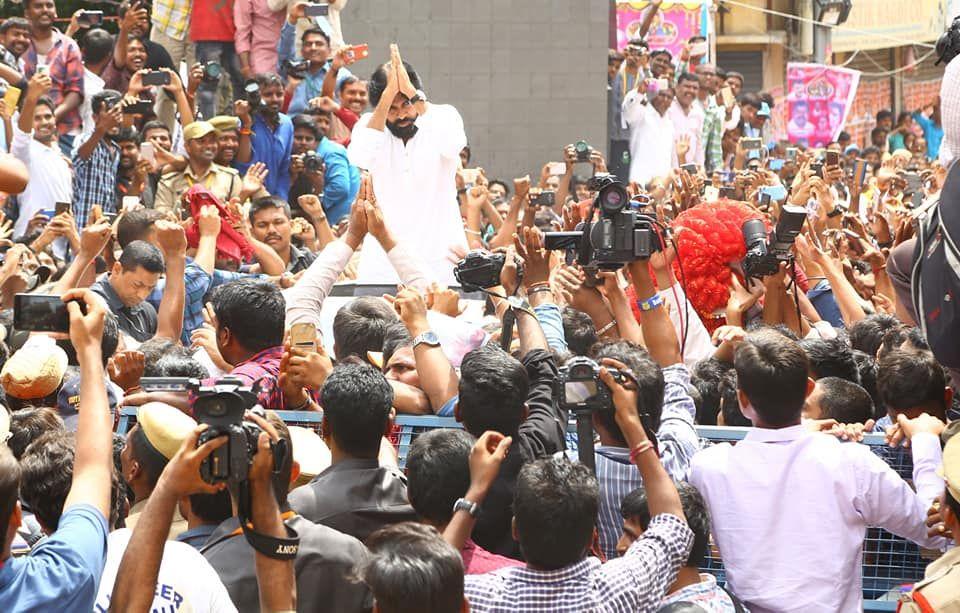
[
  {"x": 818, "y": 101},
  {"x": 673, "y": 24}
]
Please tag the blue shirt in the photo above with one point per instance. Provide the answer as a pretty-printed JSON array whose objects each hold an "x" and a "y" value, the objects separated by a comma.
[
  {"x": 197, "y": 537},
  {"x": 932, "y": 132},
  {"x": 62, "y": 573},
  {"x": 821, "y": 297},
  {"x": 273, "y": 148},
  {"x": 341, "y": 180}
]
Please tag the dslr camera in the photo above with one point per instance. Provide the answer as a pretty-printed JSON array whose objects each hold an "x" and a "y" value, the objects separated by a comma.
[
  {"x": 480, "y": 270},
  {"x": 764, "y": 253},
  {"x": 622, "y": 234},
  {"x": 580, "y": 389},
  {"x": 312, "y": 162},
  {"x": 251, "y": 93},
  {"x": 221, "y": 406},
  {"x": 296, "y": 68},
  {"x": 212, "y": 71}
]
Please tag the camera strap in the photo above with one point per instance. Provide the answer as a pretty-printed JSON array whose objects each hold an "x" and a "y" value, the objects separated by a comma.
[{"x": 270, "y": 546}]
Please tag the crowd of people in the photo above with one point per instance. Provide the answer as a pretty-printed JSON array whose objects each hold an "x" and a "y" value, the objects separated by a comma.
[{"x": 174, "y": 245}]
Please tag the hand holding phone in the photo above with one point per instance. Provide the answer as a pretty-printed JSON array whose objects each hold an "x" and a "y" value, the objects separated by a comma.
[
  {"x": 316, "y": 10},
  {"x": 304, "y": 336},
  {"x": 40, "y": 313},
  {"x": 156, "y": 77}
]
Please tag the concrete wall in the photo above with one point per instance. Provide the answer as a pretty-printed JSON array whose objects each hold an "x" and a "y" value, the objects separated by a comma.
[{"x": 528, "y": 76}]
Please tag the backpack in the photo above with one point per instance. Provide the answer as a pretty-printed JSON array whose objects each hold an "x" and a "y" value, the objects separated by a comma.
[{"x": 935, "y": 277}]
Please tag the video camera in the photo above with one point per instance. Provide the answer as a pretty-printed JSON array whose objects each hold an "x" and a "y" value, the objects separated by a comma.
[
  {"x": 481, "y": 270},
  {"x": 621, "y": 235},
  {"x": 221, "y": 406},
  {"x": 764, "y": 253}
]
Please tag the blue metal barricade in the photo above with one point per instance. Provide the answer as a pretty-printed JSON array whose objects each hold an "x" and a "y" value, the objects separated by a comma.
[{"x": 889, "y": 561}]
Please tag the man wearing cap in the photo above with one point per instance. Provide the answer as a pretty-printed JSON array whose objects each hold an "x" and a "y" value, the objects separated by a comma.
[
  {"x": 228, "y": 139},
  {"x": 940, "y": 588},
  {"x": 200, "y": 140},
  {"x": 32, "y": 376},
  {"x": 151, "y": 443}
]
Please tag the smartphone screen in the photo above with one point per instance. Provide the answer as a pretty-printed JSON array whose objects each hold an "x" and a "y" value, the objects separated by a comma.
[
  {"x": 147, "y": 151},
  {"x": 557, "y": 168},
  {"x": 750, "y": 144},
  {"x": 316, "y": 10},
  {"x": 62, "y": 207},
  {"x": 832, "y": 158},
  {"x": 40, "y": 313},
  {"x": 156, "y": 77},
  {"x": 727, "y": 94}
]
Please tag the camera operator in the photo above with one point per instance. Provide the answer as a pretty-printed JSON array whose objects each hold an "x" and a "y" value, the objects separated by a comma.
[
  {"x": 320, "y": 167},
  {"x": 142, "y": 562},
  {"x": 660, "y": 380},
  {"x": 324, "y": 561},
  {"x": 315, "y": 49},
  {"x": 268, "y": 132}
]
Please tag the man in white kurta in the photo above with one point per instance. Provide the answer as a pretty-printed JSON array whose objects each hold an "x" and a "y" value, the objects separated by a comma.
[{"x": 412, "y": 150}]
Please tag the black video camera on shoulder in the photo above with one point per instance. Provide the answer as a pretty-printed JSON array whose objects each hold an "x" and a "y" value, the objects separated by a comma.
[
  {"x": 765, "y": 253},
  {"x": 622, "y": 234}
]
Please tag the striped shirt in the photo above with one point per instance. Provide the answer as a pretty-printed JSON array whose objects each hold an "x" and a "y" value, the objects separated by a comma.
[
  {"x": 677, "y": 440},
  {"x": 94, "y": 179},
  {"x": 636, "y": 582}
]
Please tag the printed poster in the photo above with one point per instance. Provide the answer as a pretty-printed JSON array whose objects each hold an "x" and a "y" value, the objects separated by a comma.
[
  {"x": 819, "y": 98},
  {"x": 674, "y": 23}
]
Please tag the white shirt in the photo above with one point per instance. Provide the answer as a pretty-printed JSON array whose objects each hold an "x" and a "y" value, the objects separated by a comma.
[
  {"x": 186, "y": 581},
  {"x": 690, "y": 124},
  {"x": 685, "y": 319},
  {"x": 651, "y": 139},
  {"x": 416, "y": 188},
  {"x": 790, "y": 509},
  {"x": 53, "y": 179},
  {"x": 92, "y": 85}
]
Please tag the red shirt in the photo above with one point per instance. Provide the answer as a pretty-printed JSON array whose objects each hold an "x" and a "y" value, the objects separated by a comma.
[
  {"x": 477, "y": 560},
  {"x": 212, "y": 20}
]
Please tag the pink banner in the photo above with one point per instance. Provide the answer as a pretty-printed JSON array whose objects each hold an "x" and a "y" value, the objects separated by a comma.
[
  {"x": 674, "y": 23},
  {"x": 819, "y": 99}
]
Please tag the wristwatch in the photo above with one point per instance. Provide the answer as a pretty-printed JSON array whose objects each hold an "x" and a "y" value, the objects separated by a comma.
[
  {"x": 836, "y": 212},
  {"x": 418, "y": 97},
  {"x": 462, "y": 504},
  {"x": 427, "y": 338}
]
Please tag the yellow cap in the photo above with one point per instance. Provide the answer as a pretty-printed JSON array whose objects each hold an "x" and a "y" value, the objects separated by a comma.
[
  {"x": 166, "y": 427},
  {"x": 950, "y": 469},
  {"x": 222, "y": 123},
  {"x": 198, "y": 129}
]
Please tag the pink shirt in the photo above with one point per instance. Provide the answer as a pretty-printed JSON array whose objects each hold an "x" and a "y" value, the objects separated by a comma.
[
  {"x": 258, "y": 31},
  {"x": 477, "y": 560}
]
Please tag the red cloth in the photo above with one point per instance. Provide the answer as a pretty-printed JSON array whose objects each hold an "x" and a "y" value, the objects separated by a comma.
[
  {"x": 230, "y": 243},
  {"x": 212, "y": 20},
  {"x": 477, "y": 560}
]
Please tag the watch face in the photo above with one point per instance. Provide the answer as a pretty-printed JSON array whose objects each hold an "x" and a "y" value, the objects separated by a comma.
[{"x": 430, "y": 338}]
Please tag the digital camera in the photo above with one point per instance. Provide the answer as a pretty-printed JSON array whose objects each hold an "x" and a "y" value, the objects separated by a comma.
[
  {"x": 764, "y": 253},
  {"x": 481, "y": 270},
  {"x": 296, "y": 68},
  {"x": 312, "y": 162},
  {"x": 580, "y": 389}
]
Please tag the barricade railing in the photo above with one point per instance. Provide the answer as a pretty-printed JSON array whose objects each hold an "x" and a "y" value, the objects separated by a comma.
[{"x": 889, "y": 561}]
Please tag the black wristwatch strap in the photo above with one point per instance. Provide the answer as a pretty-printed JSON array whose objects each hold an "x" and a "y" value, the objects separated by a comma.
[{"x": 836, "y": 212}]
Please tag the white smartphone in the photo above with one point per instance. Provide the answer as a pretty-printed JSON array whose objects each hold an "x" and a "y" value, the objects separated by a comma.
[
  {"x": 147, "y": 151},
  {"x": 130, "y": 203},
  {"x": 699, "y": 49}
]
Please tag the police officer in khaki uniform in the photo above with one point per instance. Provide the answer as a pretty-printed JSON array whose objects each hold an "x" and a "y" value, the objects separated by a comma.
[
  {"x": 940, "y": 589},
  {"x": 200, "y": 141}
]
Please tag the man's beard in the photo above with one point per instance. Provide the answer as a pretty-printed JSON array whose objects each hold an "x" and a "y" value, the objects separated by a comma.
[{"x": 402, "y": 132}]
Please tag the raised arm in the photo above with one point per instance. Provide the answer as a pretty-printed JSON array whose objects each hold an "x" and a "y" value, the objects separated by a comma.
[
  {"x": 658, "y": 332},
  {"x": 39, "y": 85},
  {"x": 173, "y": 242},
  {"x": 93, "y": 239},
  {"x": 93, "y": 459},
  {"x": 485, "y": 460},
  {"x": 438, "y": 378}
]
